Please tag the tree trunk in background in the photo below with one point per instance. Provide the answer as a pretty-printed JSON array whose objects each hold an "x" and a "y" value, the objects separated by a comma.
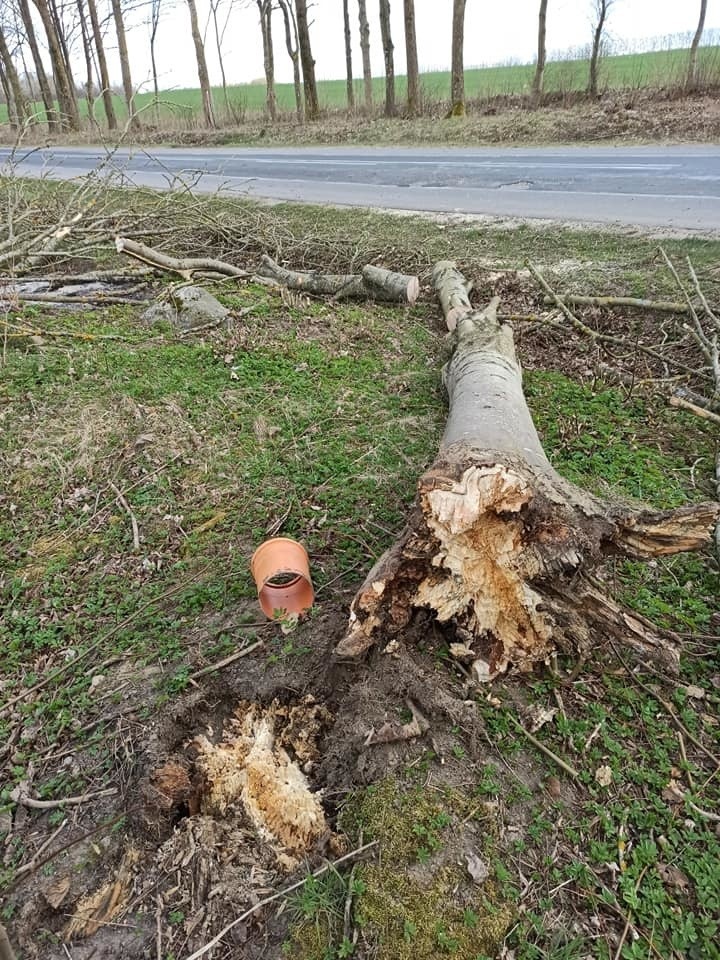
[
  {"x": 154, "y": 25},
  {"x": 539, "y": 78},
  {"x": 125, "y": 64},
  {"x": 265, "y": 11},
  {"x": 388, "y": 54},
  {"x": 57, "y": 20},
  {"x": 45, "y": 92},
  {"x": 365, "y": 50},
  {"x": 291, "y": 42},
  {"x": 692, "y": 78},
  {"x": 203, "y": 77},
  {"x": 348, "y": 56},
  {"x": 70, "y": 118},
  {"x": 12, "y": 116},
  {"x": 601, "y": 11},
  {"x": 413, "y": 71},
  {"x": 457, "y": 81},
  {"x": 218, "y": 46},
  {"x": 87, "y": 51},
  {"x": 18, "y": 105},
  {"x": 312, "y": 106},
  {"x": 107, "y": 96}
]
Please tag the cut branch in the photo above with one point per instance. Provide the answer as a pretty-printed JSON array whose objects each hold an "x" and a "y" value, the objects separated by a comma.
[
  {"x": 185, "y": 267},
  {"x": 658, "y": 306},
  {"x": 374, "y": 283},
  {"x": 498, "y": 544}
]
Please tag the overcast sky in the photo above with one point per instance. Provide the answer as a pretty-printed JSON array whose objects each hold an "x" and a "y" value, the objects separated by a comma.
[{"x": 495, "y": 32}]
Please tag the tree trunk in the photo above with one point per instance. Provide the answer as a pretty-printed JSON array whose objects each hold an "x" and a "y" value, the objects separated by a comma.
[
  {"x": 457, "y": 95},
  {"x": 18, "y": 105},
  {"x": 218, "y": 46},
  {"x": 107, "y": 96},
  {"x": 312, "y": 106},
  {"x": 291, "y": 42},
  {"x": 125, "y": 64},
  {"x": 265, "y": 11},
  {"x": 498, "y": 544},
  {"x": 539, "y": 78},
  {"x": 365, "y": 50},
  {"x": 348, "y": 56},
  {"x": 602, "y": 9},
  {"x": 413, "y": 70},
  {"x": 45, "y": 91},
  {"x": 203, "y": 77},
  {"x": 388, "y": 54},
  {"x": 70, "y": 118},
  {"x": 12, "y": 114},
  {"x": 692, "y": 77},
  {"x": 87, "y": 51},
  {"x": 154, "y": 26}
]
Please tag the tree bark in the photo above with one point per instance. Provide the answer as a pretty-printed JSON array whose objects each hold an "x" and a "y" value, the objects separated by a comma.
[
  {"x": 348, "y": 56},
  {"x": 219, "y": 34},
  {"x": 601, "y": 10},
  {"x": 291, "y": 42},
  {"x": 539, "y": 78},
  {"x": 692, "y": 78},
  {"x": 457, "y": 94},
  {"x": 389, "y": 57},
  {"x": 125, "y": 64},
  {"x": 203, "y": 76},
  {"x": 413, "y": 70},
  {"x": 5, "y": 86},
  {"x": 18, "y": 105},
  {"x": 45, "y": 91},
  {"x": 365, "y": 51},
  {"x": 64, "y": 86},
  {"x": 265, "y": 11},
  {"x": 374, "y": 283},
  {"x": 498, "y": 544},
  {"x": 107, "y": 96},
  {"x": 87, "y": 51},
  {"x": 312, "y": 106}
]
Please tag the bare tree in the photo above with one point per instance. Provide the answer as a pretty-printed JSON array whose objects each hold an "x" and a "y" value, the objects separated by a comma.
[
  {"x": 457, "y": 92},
  {"x": 348, "y": 56},
  {"x": 692, "y": 62},
  {"x": 215, "y": 6},
  {"x": 312, "y": 105},
  {"x": 365, "y": 51},
  {"x": 125, "y": 63},
  {"x": 413, "y": 70},
  {"x": 154, "y": 25},
  {"x": 203, "y": 76},
  {"x": 18, "y": 106},
  {"x": 106, "y": 91},
  {"x": 539, "y": 78},
  {"x": 388, "y": 54},
  {"x": 64, "y": 84},
  {"x": 45, "y": 91},
  {"x": 293, "y": 49},
  {"x": 265, "y": 11},
  {"x": 602, "y": 11},
  {"x": 88, "y": 53}
]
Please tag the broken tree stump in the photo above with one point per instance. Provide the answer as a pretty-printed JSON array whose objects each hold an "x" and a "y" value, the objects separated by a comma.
[
  {"x": 374, "y": 283},
  {"x": 498, "y": 543}
]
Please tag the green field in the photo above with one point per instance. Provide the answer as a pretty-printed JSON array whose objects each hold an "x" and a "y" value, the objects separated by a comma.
[{"x": 633, "y": 71}]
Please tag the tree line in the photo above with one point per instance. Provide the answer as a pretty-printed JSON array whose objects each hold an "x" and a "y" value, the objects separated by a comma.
[{"x": 28, "y": 27}]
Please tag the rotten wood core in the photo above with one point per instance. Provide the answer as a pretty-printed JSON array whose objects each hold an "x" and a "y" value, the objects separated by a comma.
[{"x": 498, "y": 544}]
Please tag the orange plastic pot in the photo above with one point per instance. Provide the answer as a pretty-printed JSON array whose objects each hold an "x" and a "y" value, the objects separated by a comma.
[{"x": 281, "y": 570}]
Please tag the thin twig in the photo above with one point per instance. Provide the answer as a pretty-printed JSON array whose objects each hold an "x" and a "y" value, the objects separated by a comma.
[
  {"x": 226, "y": 661},
  {"x": 32, "y": 862},
  {"x": 546, "y": 750},
  {"x": 34, "y": 804},
  {"x": 279, "y": 896},
  {"x": 133, "y": 520}
]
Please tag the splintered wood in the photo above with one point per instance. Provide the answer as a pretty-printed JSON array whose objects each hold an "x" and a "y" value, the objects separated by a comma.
[{"x": 498, "y": 545}]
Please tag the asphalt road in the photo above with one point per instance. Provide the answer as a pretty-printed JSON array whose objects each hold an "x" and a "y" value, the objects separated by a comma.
[{"x": 673, "y": 187}]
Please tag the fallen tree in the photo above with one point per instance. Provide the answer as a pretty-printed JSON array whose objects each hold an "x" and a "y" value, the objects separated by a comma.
[
  {"x": 374, "y": 283},
  {"x": 497, "y": 542}
]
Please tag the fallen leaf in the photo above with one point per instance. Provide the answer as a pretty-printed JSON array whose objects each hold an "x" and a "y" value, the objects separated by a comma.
[
  {"x": 673, "y": 792},
  {"x": 477, "y": 868},
  {"x": 552, "y": 785},
  {"x": 604, "y": 776},
  {"x": 539, "y": 716},
  {"x": 695, "y": 693}
]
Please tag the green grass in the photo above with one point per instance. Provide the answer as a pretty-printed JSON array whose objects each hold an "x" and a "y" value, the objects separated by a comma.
[
  {"x": 634, "y": 71},
  {"x": 325, "y": 414}
]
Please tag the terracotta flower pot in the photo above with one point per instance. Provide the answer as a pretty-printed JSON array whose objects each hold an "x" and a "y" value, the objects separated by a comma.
[{"x": 281, "y": 570}]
